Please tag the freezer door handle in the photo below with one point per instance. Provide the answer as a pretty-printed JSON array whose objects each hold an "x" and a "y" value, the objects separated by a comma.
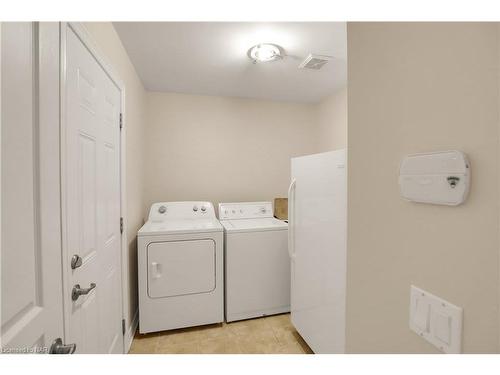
[{"x": 291, "y": 219}]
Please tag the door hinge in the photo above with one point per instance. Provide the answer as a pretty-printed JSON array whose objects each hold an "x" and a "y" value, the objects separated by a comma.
[
  {"x": 123, "y": 326},
  {"x": 121, "y": 225},
  {"x": 121, "y": 121}
]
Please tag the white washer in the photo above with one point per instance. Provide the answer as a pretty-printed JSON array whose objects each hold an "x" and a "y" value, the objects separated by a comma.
[
  {"x": 257, "y": 265},
  {"x": 180, "y": 264}
]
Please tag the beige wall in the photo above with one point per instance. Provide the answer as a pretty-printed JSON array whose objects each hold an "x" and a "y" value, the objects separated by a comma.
[
  {"x": 498, "y": 153},
  {"x": 415, "y": 88},
  {"x": 223, "y": 149},
  {"x": 111, "y": 47},
  {"x": 332, "y": 122}
]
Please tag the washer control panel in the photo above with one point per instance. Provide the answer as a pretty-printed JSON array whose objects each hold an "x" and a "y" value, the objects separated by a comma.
[{"x": 245, "y": 210}]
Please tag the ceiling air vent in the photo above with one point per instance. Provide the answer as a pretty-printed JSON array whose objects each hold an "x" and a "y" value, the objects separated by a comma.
[{"x": 315, "y": 62}]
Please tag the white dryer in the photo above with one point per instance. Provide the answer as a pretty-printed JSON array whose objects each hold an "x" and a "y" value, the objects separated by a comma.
[
  {"x": 180, "y": 266},
  {"x": 257, "y": 265}
]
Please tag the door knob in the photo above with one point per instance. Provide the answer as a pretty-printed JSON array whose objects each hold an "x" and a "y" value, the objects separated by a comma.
[
  {"x": 58, "y": 347},
  {"x": 77, "y": 291},
  {"x": 76, "y": 261}
]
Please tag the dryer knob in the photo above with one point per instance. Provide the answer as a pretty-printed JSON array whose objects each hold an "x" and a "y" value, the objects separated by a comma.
[
  {"x": 203, "y": 208},
  {"x": 195, "y": 208},
  {"x": 162, "y": 209}
]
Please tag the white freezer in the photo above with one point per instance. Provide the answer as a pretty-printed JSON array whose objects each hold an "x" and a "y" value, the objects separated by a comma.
[{"x": 317, "y": 216}]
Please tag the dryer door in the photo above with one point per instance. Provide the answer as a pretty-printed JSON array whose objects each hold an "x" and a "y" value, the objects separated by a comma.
[{"x": 178, "y": 268}]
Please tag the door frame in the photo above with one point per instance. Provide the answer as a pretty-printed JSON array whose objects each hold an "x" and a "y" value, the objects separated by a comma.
[{"x": 83, "y": 34}]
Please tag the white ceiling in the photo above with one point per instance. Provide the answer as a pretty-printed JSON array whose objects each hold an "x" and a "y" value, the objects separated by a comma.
[{"x": 210, "y": 58}]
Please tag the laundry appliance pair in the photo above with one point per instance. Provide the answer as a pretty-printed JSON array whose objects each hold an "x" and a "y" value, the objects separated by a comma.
[{"x": 194, "y": 269}]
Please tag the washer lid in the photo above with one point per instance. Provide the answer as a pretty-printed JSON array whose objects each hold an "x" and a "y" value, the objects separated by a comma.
[
  {"x": 253, "y": 225},
  {"x": 180, "y": 226}
]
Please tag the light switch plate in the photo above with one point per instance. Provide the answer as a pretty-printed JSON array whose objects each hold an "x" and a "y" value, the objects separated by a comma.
[{"x": 436, "y": 320}]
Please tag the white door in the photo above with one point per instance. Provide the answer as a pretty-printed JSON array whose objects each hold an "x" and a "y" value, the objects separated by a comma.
[
  {"x": 32, "y": 304},
  {"x": 91, "y": 202},
  {"x": 317, "y": 226}
]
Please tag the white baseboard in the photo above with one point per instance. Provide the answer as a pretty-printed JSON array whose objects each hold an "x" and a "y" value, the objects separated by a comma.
[{"x": 129, "y": 336}]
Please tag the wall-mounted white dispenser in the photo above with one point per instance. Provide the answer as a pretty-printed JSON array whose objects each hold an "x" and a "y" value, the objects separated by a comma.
[{"x": 438, "y": 177}]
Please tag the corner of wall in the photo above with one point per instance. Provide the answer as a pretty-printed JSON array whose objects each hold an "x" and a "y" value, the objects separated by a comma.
[{"x": 331, "y": 121}]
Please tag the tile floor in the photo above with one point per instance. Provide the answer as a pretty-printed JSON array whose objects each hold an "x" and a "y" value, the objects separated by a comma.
[{"x": 269, "y": 335}]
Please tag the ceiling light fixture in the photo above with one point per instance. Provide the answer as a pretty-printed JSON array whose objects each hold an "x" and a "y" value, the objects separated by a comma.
[{"x": 265, "y": 52}]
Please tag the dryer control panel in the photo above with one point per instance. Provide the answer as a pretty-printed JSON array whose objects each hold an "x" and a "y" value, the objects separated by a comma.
[
  {"x": 245, "y": 210},
  {"x": 162, "y": 211}
]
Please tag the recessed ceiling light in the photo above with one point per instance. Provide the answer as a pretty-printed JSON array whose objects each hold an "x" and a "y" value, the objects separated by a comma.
[{"x": 265, "y": 52}]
